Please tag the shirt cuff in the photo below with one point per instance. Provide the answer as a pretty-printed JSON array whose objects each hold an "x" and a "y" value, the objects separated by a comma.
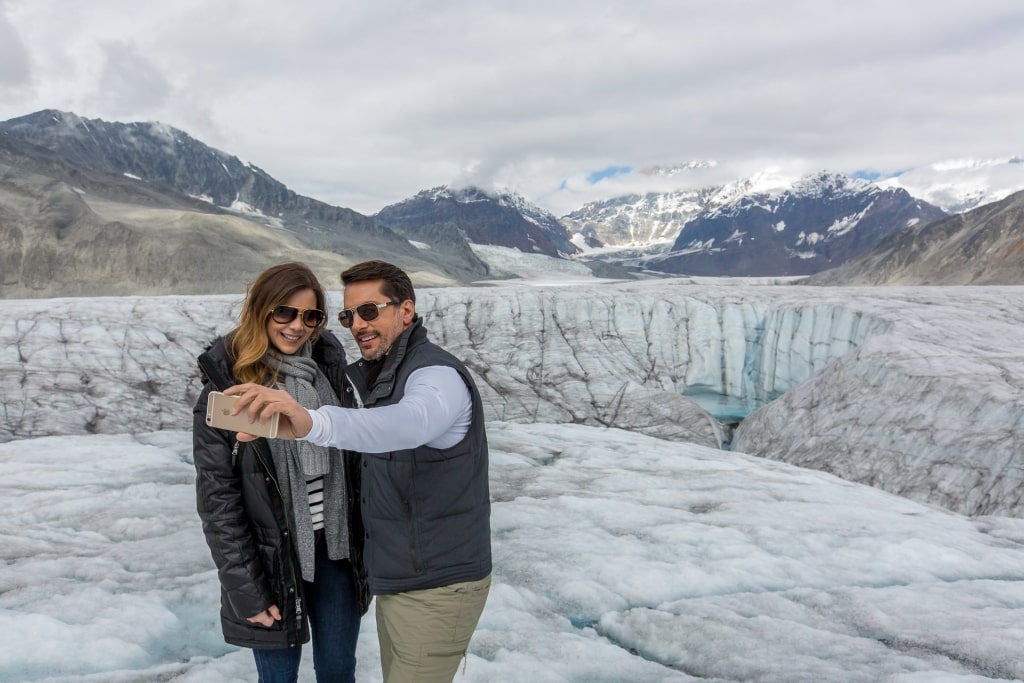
[{"x": 319, "y": 433}]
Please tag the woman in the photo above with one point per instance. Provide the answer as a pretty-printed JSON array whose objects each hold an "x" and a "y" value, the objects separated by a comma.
[{"x": 281, "y": 517}]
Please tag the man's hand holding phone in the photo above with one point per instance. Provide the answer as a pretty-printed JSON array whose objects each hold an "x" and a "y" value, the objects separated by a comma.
[{"x": 263, "y": 404}]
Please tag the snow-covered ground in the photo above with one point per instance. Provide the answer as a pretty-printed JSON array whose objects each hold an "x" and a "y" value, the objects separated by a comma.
[
  {"x": 624, "y": 550},
  {"x": 512, "y": 265},
  {"x": 618, "y": 557}
]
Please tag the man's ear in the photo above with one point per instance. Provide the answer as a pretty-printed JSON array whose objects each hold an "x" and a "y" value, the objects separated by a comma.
[{"x": 408, "y": 309}]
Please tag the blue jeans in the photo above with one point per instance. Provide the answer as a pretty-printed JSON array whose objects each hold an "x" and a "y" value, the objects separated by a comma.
[{"x": 333, "y": 609}]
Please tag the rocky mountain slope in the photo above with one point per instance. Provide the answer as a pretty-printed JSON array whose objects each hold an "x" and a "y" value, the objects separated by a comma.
[
  {"x": 94, "y": 207},
  {"x": 71, "y": 231},
  {"x": 984, "y": 246},
  {"x": 153, "y": 166}
]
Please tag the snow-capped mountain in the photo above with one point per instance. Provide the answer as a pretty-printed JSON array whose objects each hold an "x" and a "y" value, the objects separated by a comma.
[
  {"x": 819, "y": 222},
  {"x": 641, "y": 225},
  {"x": 500, "y": 218},
  {"x": 676, "y": 169},
  {"x": 638, "y": 220},
  {"x": 765, "y": 224}
]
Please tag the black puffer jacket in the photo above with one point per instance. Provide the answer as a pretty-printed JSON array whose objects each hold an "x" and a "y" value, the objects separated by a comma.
[{"x": 244, "y": 517}]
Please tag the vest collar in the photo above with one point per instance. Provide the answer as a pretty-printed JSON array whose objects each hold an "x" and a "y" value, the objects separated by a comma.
[{"x": 416, "y": 334}]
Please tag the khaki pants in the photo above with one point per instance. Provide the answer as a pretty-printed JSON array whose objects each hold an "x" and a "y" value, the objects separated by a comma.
[{"x": 424, "y": 634}]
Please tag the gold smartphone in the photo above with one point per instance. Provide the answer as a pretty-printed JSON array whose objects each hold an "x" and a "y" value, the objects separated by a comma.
[{"x": 218, "y": 414}]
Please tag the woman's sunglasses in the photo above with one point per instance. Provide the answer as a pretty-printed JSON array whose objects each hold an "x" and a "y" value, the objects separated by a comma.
[
  {"x": 311, "y": 317},
  {"x": 368, "y": 312}
]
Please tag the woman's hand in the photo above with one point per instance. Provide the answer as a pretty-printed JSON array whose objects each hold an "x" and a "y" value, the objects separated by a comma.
[
  {"x": 261, "y": 403},
  {"x": 267, "y": 617}
]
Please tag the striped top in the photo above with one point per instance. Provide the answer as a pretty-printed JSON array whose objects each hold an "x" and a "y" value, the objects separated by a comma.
[{"x": 315, "y": 493}]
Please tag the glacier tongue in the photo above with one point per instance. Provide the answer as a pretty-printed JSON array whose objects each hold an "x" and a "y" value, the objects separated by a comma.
[{"x": 919, "y": 391}]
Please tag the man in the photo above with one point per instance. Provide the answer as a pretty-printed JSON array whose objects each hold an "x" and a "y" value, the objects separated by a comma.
[{"x": 425, "y": 494}]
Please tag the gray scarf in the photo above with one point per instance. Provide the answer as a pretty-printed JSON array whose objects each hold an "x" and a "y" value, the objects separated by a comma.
[
  {"x": 295, "y": 461},
  {"x": 303, "y": 380}
]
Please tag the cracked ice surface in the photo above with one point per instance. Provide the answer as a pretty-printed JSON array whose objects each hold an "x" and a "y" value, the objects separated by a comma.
[
  {"x": 919, "y": 391},
  {"x": 599, "y": 355},
  {"x": 931, "y": 408},
  {"x": 916, "y": 390},
  {"x": 618, "y": 557}
]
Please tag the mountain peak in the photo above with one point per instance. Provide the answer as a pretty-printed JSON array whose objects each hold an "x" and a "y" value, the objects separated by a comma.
[
  {"x": 826, "y": 183},
  {"x": 154, "y": 166},
  {"x": 56, "y": 121},
  {"x": 507, "y": 198},
  {"x": 501, "y": 218}
]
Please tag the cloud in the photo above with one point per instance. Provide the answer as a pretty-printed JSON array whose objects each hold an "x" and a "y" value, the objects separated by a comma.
[
  {"x": 363, "y": 106},
  {"x": 14, "y": 58},
  {"x": 128, "y": 82}
]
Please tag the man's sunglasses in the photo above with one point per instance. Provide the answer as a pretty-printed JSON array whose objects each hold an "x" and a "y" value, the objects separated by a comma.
[
  {"x": 311, "y": 317},
  {"x": 368, "y": 312}
]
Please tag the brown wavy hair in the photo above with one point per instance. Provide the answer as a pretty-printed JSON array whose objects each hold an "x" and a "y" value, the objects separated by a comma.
[{"x": 249, "y": 341}]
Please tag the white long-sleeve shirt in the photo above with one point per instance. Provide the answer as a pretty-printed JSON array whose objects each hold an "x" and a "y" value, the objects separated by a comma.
[{"x": 436, "y": 410}]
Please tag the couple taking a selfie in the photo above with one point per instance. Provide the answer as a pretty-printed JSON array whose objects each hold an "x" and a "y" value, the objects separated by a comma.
[{"x": 353, "y": 481}]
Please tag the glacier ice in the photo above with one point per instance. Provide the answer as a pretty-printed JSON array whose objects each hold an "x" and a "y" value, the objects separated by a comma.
[{"x": 915, "y": 390}]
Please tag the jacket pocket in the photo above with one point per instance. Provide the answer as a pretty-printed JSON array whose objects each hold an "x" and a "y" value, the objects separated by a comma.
[{"x": 271, "y": 561}]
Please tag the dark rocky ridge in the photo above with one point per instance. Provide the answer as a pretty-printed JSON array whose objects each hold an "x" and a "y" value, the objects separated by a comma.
[{"x": 984, "y": 246}]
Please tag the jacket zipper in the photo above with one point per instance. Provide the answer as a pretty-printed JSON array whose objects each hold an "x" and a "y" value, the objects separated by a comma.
[{"x": 291, "y": 561}]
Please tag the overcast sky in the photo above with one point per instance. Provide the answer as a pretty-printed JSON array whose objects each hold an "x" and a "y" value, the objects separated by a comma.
[{"x": 364, "y": 104}]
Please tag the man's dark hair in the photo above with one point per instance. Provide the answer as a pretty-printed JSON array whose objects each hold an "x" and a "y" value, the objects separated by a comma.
[{"x": 397, "y": 285}]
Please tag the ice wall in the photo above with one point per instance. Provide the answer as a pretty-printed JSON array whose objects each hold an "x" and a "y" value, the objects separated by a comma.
[
  {"x": 796, "y": 340},
  {"x": 568, "y": 354},
  {"x": 603, "y": 355},
  {"x": 919, "y": 391},
  {"x": 113, "y": 365}
]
